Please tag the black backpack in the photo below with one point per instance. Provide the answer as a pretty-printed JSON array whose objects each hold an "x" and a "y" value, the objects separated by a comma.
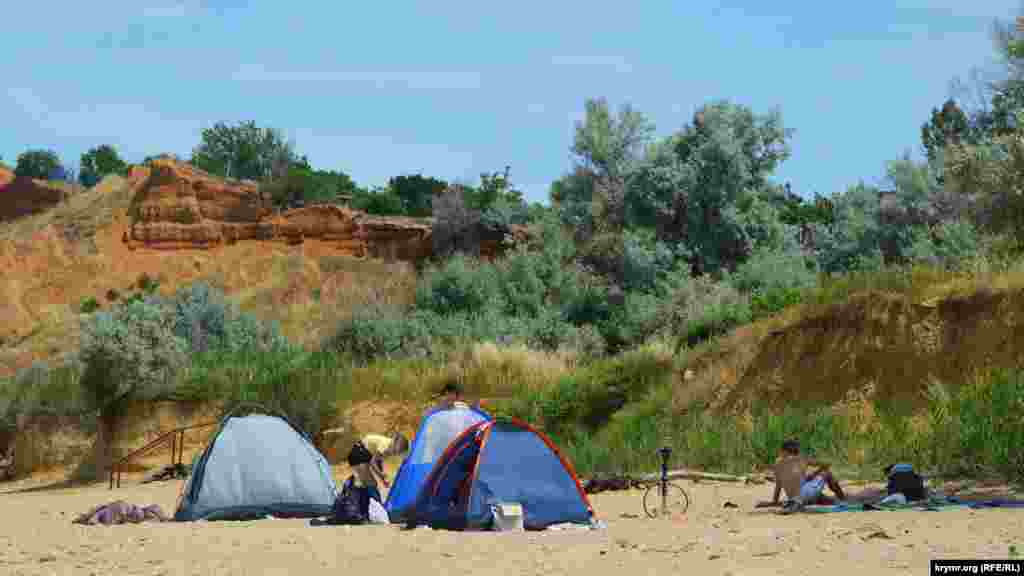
[
  {"x": 359, "y": 454},
  {"x": 903, "y": 479},
  {"x": 348, "y": 507}
]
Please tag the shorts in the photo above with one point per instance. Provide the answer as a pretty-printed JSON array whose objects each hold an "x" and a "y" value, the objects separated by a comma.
[{"x": 811, "y": 489}]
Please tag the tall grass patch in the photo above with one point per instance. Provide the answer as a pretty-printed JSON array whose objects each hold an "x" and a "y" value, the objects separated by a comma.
[{"x": 613, "y": 417}]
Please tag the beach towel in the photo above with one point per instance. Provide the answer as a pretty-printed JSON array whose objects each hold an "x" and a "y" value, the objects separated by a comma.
[
  {"x": 121, "y": 512},
  {"x": 933, "y": 504},
  {"x": 997, "y": 504}
]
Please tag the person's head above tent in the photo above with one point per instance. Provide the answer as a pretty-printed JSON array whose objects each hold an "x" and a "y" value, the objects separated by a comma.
[{"x": 450, "y": 397}]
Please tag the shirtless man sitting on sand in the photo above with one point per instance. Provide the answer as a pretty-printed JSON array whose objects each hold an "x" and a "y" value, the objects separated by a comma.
[{"x": 802, "y": 488}]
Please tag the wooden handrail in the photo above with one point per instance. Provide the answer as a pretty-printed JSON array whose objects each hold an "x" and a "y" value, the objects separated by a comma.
[{"x": 177, "y": 438}]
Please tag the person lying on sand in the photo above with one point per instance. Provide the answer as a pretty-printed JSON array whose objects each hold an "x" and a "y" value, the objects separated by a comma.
[{"x": 802, "y": 488}]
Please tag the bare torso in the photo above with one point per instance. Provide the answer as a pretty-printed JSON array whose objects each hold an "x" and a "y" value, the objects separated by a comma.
[{"x": 790, "y": 473}]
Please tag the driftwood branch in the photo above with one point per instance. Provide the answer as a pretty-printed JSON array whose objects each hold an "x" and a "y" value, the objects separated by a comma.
[
  {"x": 627, "y": 481},
  {"x": 706, "y": 477}
]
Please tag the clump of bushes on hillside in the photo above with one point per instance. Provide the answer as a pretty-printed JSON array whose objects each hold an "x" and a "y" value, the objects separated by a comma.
[{"x": 193, "y": 345}]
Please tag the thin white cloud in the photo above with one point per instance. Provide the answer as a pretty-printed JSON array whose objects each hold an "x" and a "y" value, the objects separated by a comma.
[{"x": 414, "y": 80}]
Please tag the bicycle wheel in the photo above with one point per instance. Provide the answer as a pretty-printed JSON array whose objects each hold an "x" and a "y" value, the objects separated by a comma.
[{"x": 676, "y": 500}]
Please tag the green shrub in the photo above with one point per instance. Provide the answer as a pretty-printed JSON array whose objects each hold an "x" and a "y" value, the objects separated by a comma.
[
  {"x": 948, "y": 245},
  {"x": 204, "y": 319},
  {"x": 130, "y": 352},
  {"x": 640, "y": 317},
  {"x": 525, "y": 281},
  {"x": 147, "y": 284},
  {"x": 702, "y": 309},
  {"x": 40, "y": 389},
  {"x": 586, "y": 301},
  {"x": 88, "y": 305},
  {"x": 303, "y": 386},
  {"x": 375, "y": 333},
  {"x": 459, "y": 285},
  {"x": 584, "y": 401},
  {"x": 979, "y": 427},
  {"x": 769, "y": 301},
  {"x": 307, "y": 387},
  {"x": 775, "y": 279}
]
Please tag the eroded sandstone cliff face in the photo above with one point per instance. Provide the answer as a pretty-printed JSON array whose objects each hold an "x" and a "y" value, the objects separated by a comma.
[
  {"x": 21, "y": 197},
  {"x": 176, "y": 205}
]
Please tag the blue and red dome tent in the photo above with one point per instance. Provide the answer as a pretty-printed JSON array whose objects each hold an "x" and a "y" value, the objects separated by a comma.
[
  {"x": 436, "y": 432},
  {"x": 496, "y": 462}
]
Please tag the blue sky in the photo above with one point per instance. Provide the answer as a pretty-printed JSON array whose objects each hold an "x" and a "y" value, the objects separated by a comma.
[{"x": 452, "y": 89}]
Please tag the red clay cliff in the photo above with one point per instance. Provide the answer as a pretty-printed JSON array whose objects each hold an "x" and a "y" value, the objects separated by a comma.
[{"x": 176, "y": 206}]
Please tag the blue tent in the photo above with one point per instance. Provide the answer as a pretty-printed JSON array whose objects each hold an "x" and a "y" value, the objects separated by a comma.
[
  {"x": 254, "y": 466},
  {"x": 437, "y": 430},
  {"x": 501, "y": 462}
]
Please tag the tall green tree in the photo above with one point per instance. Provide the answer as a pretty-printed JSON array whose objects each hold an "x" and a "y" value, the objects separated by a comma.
[
  {"x": 993, "y": 172},
  {"x": 128, "y": 353},
  {"x": 855, "y": 238},
  {"x": 607, "y": 146},
  {"x": 38, "y": 164},
  {"x": 704, "y": 188},
  {"x": 572, "y": 197},
  {"x": 986, "y": 168},
  {"x": 946, "y": 126},
  {"x": 244, "y": 151},
  {"x": 99, "y": 162},
  {"x": 996, "y": 92}
]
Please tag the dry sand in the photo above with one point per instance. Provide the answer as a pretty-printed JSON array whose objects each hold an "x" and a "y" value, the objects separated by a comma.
[{"x": 37, "y": 537}]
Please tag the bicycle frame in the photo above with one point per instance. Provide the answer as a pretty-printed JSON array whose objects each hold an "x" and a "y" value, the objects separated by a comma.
[{"x": 665, "y": 454}]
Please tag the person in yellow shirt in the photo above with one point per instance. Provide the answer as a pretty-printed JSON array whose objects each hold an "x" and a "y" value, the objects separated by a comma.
[{"x": 368, "y": 474}]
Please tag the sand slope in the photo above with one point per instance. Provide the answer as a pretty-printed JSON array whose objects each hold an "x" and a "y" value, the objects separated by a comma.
[{"x": 37, "y": 537}]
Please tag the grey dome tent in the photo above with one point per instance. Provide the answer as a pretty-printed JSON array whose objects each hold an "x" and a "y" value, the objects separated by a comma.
[{"x": 254, "y": 466}]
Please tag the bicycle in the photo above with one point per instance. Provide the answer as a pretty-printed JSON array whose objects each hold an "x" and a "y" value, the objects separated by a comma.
[{"x": 669, "y": 498}]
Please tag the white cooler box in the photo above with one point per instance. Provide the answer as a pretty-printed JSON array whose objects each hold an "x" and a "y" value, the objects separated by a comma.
[{"x": 508, "y": 516}]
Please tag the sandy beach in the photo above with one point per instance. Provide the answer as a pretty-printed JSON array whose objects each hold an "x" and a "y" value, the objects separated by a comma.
[{"x": 37, "y": 537}]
